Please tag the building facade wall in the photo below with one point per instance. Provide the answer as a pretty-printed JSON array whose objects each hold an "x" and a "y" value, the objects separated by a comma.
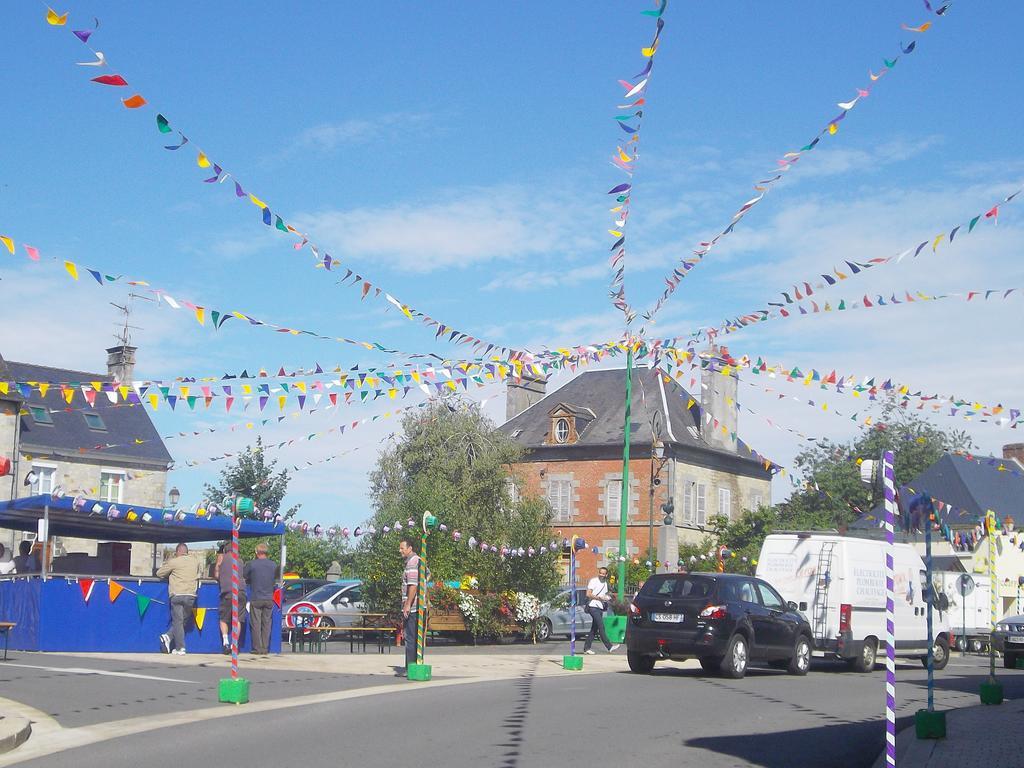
[{"x": 588, "y": 514}]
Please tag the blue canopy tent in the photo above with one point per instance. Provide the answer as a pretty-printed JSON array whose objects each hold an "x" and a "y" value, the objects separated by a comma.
[{"x": 68, "y": 612}]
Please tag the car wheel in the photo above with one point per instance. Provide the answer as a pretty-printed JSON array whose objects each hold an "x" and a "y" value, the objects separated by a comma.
[
  {"x": 328, "y": 623},
  {"x": 639, "y": 662},
  {"x": 543, "y": 632},
  {"x": 977, "y": 646},
  {"x": 734, "y": 663},
  {"x": 940, "y": 654},
  {"x": 866, "y": 661},
  {"x": 800, "y": 664},
  {"x": 1010, "y": 660},
  {"x": 710, "y": 664}
]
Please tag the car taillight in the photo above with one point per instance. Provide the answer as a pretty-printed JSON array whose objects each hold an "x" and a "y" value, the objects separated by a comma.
[
  {"x": 845, "y": 610},
  {"x": 713, "y": 612},
  {"x": 634, "y": 610}
]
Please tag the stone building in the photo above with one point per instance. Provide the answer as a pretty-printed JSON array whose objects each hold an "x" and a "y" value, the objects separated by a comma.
[
  {"x": 574, "y": 442},
  {"x": 105, "y": 451}
]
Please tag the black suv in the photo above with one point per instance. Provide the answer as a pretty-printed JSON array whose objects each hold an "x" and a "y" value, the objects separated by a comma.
[{"x": 723, "y": 619}]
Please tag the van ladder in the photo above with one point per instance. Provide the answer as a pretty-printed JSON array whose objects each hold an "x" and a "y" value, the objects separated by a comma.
[{"x": 823, "y": 579}]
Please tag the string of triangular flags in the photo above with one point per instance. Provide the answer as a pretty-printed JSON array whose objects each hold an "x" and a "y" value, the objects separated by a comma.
[{"x": 785, "y": 164}]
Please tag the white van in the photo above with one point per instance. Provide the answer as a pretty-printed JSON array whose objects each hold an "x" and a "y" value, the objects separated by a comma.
[{"x": 839, "y": 583}]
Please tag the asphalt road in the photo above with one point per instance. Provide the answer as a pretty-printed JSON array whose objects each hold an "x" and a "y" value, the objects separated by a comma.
[{"x": 673, "y": 717}]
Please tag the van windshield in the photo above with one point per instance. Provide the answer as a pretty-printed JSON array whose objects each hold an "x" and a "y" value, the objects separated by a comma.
[{"x": 681, "y": 585}]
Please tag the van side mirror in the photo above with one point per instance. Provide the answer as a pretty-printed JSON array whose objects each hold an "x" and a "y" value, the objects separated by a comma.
[{"x": 791, "y": 605}]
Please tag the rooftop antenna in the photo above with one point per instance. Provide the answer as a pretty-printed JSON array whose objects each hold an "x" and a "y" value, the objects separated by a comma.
[{"x": 124, "y": 337}]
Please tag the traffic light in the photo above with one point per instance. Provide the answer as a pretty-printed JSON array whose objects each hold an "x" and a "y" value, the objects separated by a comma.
[{"x": 667, "y": 509}]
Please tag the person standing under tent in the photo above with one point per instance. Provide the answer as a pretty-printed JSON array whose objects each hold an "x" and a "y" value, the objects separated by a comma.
[
  {"x": 598, "y": 597},
  {"x": 222, "y": 573},
  {"x": 183, "y": 572},
  {"x": 261, "y": 575}
]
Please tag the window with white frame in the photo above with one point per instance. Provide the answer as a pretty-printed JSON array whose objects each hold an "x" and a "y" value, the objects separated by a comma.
[
  {"x": 562, "y": 431},
  {"x": 560, "y": 498},
  {"x": 756, "y": 501},
  {"x": 46, "y": 475},
  {"x": 688, "y": 500},
  {"x": 613, "y": 500},
  {"x": 701, "y": 503},
  {"x": 112, "y": 486},
  {"x": 725, "y": 502}
]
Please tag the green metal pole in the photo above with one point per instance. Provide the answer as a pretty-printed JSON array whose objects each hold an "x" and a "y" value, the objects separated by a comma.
[{"x": 624, "y": 508}]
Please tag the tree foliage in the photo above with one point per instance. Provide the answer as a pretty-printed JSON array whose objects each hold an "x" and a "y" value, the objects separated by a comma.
[
  {"x": 452, "y": 461},
  {"x": 251, "y": 475},
  {"x": 830, "y": 493}
]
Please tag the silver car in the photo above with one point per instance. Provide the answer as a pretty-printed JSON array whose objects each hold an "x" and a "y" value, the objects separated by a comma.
[
  {"x": 556, "y": 619},
  {"x": 332, "y": 605}
]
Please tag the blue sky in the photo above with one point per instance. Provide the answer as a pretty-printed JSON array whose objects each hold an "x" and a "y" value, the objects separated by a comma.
[{"x": 457, "y": 154}]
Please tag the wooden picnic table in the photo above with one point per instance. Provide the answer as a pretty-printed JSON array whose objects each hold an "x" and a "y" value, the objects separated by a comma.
[{"x": 316, "y": 637}]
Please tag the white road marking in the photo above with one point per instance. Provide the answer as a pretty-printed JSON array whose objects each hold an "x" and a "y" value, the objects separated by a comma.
[{"x": 107, "y": 673}]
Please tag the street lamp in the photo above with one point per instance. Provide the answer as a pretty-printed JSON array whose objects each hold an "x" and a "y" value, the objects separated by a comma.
[
  {"x": 657, "y": 454},
  {"x": 174, "y": 497}
]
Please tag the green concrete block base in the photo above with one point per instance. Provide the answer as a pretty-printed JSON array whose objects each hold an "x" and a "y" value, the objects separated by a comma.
[
  {"x": 615, "y": 626},
  {"x": 419, "y": 672},
  {"x": 991, "y": 693},
  {"x": 930, "y": 725},
  {"x": 572, "y": 662},
  {"x": 233, "y": 691}
]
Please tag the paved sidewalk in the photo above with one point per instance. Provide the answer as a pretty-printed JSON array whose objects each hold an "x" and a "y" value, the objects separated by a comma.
[{"x": 976, "y": 737}]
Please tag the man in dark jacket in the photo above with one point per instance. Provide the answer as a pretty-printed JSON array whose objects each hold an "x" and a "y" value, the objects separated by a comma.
[{"x": 261, "y": 575}]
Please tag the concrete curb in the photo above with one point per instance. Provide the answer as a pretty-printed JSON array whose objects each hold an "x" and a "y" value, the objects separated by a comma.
[{"x": 14, "y": 731}]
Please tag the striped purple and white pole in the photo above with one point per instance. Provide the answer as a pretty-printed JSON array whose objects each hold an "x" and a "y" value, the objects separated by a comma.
[{"x": 889, "y": 482}]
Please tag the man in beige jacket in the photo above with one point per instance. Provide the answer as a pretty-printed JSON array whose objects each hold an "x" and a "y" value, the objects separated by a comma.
[{"x": 182, "y": 572}]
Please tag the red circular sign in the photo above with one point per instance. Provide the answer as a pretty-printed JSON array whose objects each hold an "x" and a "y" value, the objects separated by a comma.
[{"x": 303, "y": 609}]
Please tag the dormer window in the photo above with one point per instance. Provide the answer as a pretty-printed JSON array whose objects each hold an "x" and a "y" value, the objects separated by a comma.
[
  {"x": 562, "y": 431},
  {"x": 568, "y": 423}
]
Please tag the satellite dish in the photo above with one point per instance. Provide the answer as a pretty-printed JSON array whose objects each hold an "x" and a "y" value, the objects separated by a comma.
[{"x": 965, "y": 584}]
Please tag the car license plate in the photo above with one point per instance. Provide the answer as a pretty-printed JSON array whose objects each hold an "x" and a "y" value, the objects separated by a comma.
[
  {"x": 1015, "y": 639},
  {"x": 668, "y": 618}
]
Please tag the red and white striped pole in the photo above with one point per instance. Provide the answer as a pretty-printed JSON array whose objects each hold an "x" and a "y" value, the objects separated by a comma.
[
  {"x": 235, "y": 689},
  {"x": 236, "y": 522}
]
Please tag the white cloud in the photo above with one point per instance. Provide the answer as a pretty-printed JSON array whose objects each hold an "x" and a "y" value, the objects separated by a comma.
[
  {"x": 330, "y": 137},
  {"x": 469, "y": 227}
]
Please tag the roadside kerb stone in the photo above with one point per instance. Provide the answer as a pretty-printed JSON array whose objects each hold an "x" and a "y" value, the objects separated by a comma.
[{"x": 14, "y": 731}]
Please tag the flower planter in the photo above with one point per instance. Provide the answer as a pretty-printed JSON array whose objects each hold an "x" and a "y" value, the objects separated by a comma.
[{"x": 615, "y": 627}]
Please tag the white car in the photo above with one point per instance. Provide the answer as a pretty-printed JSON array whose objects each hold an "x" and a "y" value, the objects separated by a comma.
[{"x": 332, "y": 605}]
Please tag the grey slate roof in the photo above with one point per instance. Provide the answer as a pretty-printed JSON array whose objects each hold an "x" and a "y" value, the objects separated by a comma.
[
  {"x": 974, "y": 487},
  {"x": 602, "y": 392},
  {"x": 70, "y": 432}
]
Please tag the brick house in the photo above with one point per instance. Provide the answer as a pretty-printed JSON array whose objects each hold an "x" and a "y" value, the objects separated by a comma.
[
  {"x": 574, "y": 438},
  {"x": 40, "y": 432}
]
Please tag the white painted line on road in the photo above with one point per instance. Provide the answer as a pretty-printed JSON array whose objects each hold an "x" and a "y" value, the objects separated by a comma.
[{"x": 107, "y": 673}]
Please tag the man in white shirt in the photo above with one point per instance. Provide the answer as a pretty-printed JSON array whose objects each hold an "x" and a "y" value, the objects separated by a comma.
[
  {"x": 598, "y": 596},
  {"x": 6, "y": 566}
]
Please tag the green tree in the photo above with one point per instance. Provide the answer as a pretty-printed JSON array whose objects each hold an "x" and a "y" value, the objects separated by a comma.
[
  {"x": 451, "y": 460},
  {"x": 831, "y": 493},
  {"x": 251, "y": 475}
]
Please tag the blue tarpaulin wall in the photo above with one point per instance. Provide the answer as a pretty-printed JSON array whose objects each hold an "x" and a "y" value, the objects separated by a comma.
[{"x": 53, "y": 615}]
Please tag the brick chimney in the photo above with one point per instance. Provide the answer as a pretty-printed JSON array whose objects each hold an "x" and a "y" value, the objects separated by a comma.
[
  {"x": 121, "y": 363},
  {"x": 523, "y": 392},
  {"x": 1014, "y": 451}
]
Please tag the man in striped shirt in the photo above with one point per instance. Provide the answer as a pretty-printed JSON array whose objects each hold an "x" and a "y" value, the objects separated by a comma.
[{"x": 410, "y": 599}]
